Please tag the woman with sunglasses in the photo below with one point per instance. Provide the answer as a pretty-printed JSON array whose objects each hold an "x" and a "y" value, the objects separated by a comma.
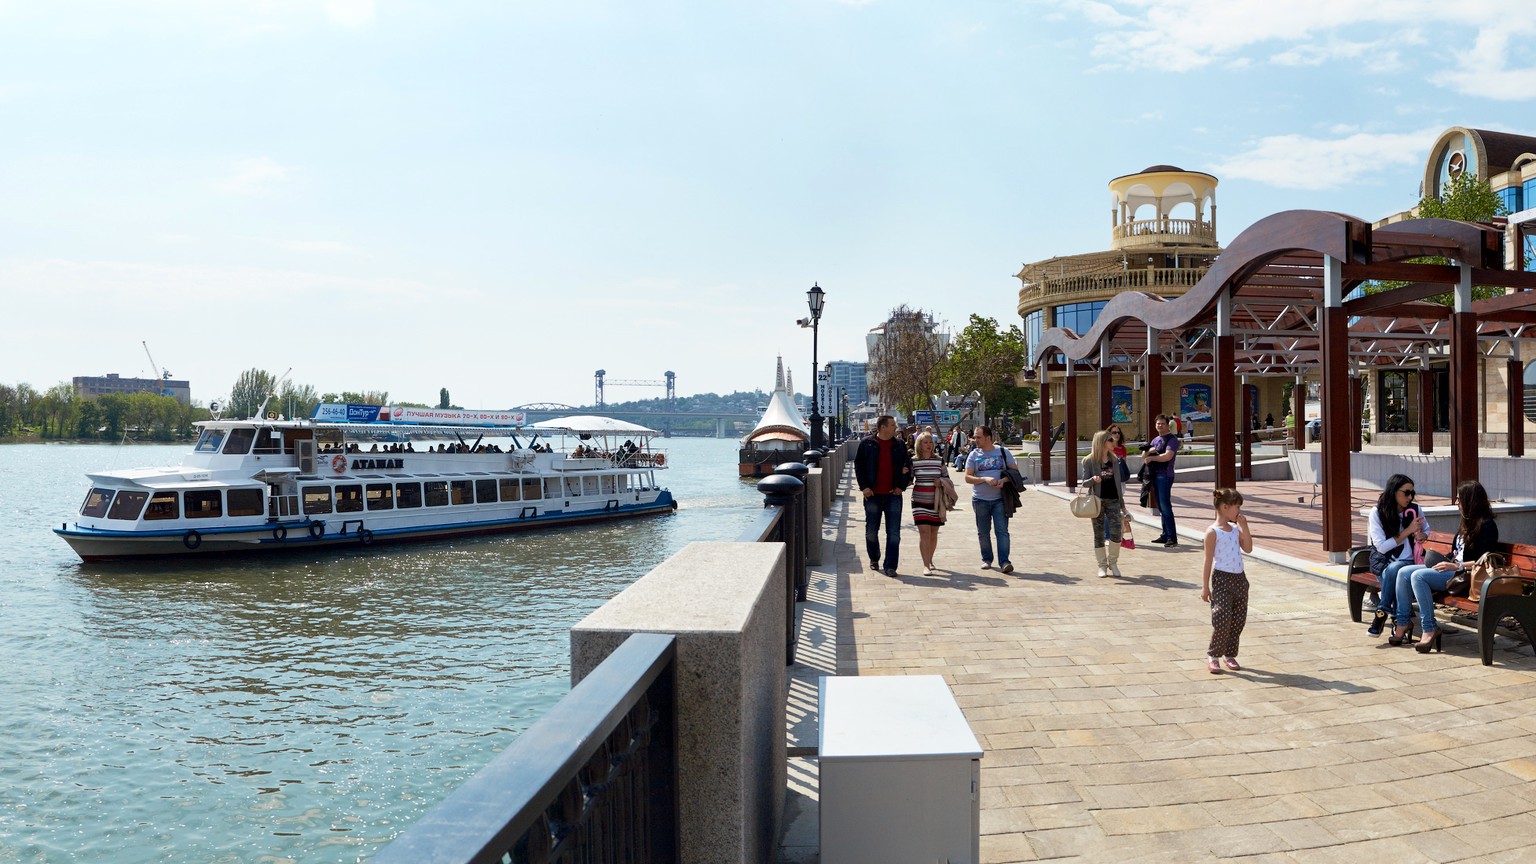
[
  {"x": 1476, "y": 535},
  {"x": 1390, "y": 552}
]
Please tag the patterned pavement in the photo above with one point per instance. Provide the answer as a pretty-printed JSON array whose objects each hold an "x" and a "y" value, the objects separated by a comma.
[{"x": 1108, "y": 740}]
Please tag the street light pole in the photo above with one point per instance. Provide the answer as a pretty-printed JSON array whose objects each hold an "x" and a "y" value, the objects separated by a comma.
[{"x": 815, "y": 298}]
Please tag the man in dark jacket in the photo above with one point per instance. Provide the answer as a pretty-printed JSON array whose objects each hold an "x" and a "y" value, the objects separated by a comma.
[{"x": 883, "y": 468}]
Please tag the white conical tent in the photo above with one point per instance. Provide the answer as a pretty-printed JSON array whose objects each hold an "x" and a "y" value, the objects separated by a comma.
[{"x": 781, "y": 421}]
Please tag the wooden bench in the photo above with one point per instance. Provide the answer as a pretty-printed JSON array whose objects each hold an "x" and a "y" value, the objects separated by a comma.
[{"x": 1500, "y": 598}]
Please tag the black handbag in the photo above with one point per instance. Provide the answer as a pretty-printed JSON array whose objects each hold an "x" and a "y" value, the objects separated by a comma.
[{"x": 1148, "y": 497}]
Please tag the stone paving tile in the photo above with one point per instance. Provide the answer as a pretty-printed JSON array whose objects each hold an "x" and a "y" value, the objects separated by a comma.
[{"x": 1107, "y": 740}]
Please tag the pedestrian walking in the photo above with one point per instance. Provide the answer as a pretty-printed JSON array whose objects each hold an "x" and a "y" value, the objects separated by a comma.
[
  {"x": 984, "y": 471},
  {"x": 932, "y": 492},
  {"x": 1224, "y": 585},
  {"x": 1158, "y": 456},
  {"x": 1103, "y": 471},
  {"x": 883, "y": 467}
]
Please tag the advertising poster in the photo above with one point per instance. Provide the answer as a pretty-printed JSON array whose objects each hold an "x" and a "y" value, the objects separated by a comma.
[
  {"x": 1120, "y": 403},
  {"x": 1195, "y": 402}
]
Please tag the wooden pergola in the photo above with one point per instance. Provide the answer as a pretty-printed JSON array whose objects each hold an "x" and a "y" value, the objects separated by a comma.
[{"x": 1274, "y": 304}]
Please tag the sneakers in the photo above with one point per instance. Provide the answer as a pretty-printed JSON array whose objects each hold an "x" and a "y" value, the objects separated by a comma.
[
  {"x": 1169, "y": 544},
  {"x": 1006, "y": 568},
  {"x": 1214, "y": 665},
  {"x": 1232, "y": 664},
  {"x": 986, "y": 565},
  {"x": 891, "y": 572}
]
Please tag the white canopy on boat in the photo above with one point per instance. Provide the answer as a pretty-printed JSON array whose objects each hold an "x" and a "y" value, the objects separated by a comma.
[
  {"x": 592, "y": 425},
  {"x": 781, "y": 420}
]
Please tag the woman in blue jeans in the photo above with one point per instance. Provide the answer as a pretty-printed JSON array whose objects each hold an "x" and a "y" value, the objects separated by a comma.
[
  {"x": 1476, "y": 535},
  {"x": 984, "y": 471},
  {"x": 1394, "y": 529}
]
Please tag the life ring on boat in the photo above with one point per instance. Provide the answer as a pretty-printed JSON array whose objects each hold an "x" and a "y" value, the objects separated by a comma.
[
  {"x": 659, "y": 459},
  {"x": 316, "y": 530},
  {"x": 191, "y": 539},
  {"x": 338, "y": 463},
  {"x": 280, "y": 533},
  {"x": 365, "y": 536}
]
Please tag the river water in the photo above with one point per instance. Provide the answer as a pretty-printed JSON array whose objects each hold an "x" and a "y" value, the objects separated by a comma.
[{"x": 301, "y": 708}]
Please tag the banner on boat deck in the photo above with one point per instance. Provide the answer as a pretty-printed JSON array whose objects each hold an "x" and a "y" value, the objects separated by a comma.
[
  {"x": 400, "y": 414},
  {"x": 331, "y": 412}
]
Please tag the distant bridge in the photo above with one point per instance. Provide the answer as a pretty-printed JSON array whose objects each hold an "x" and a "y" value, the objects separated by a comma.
[{"x": 661, "y": 420}]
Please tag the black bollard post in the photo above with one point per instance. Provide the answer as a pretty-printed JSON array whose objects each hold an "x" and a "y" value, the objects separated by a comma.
[
  {"x": 813, "y": 457},
  {"x": 803, "y": 504},
  {"x": 781, "y": 490}
]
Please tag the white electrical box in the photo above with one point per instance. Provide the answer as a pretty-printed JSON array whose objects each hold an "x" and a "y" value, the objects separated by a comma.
[{"x": 900, "y": 773}]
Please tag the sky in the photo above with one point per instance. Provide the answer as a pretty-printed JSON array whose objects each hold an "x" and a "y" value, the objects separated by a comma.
[{"x": 499, "y": 198}]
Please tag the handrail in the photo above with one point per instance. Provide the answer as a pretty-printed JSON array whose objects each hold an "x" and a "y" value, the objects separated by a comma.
[
  {"x": 565, "y": 778},
  {"x": 1165, "y": 227},
  {"x": 1110, "y": 283}
]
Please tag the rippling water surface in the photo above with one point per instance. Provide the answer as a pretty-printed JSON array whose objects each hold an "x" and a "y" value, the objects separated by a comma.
[{"x": 299, "y": 708}]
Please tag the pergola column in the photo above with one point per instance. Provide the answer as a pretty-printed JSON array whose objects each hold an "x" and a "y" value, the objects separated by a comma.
[
  {"x": 1426, "y": 407},
  {"x": 1154, "y": 384},
  {"x": 1464, "y": 383},
  {"x": 1223, "y": 380},
  {"x": 1334, "y": 327},
  {"x": 1298, "y": 407},
  {"x": 1514, "y": 376},
  {"x": 1356, "y": 407},
  {"x": 1045, "y": 422},
  {"x": 1245, "y": 464},
  {"x": 1106, "y": 386},
  {"x": 1070, "y": 453}
]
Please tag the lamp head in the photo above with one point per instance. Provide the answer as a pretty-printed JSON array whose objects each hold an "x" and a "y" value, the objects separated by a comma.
[{"x": 816, "y": 298}]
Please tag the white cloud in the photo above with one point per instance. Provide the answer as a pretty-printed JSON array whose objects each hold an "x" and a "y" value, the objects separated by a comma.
[
  {"x": 1184, "y": 35},
  {"x": 350, "y": 13},
  {"x": 252, "y": 176},
  {"x": 1298, "y": 162},
  {"x": 318, "y": 246}
]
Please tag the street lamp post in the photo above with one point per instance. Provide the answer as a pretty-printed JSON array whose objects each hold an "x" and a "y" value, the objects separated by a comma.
[{"x": 815, "y": 298}]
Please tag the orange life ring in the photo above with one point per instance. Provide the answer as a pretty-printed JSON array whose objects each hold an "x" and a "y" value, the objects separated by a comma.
[
  {"x": 338, "y": 463},
  {"x": 660, "y": 459}
]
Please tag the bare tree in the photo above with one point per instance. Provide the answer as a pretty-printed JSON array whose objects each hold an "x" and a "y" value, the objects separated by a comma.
[{"x": 905, "y": 357}]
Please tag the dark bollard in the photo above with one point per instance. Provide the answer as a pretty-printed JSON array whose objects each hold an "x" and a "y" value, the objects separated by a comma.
[
  {"x": 813, "y": 457},
  {"x": 799, "y": 471},
  {"x": 783, "y": 491}
]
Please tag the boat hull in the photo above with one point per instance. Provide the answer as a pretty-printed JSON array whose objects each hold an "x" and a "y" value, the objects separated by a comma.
[{"x": 96, "y": 545}]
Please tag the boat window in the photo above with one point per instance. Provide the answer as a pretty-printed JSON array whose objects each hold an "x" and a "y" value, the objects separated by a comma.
[
  {"x": 436, "y": 493},
  {"x": 623, "y": 482},
  {"x": 407, "y": 495},
  {"x": 163, "y": 506},
  {"x": 239, "y": 442},
  {"x": 608, "y": 485},
  {"x": 349, "y": 498},
  {"x": 96, "y": 502},
  {"x": 127, "y": 505},
  {"x": 551, "y": 489},
  {"x": 267, "y": 442},
  {"x": 210, "y": 441},
  {"x": 317, "y": 499},
  {"x": 381, "y": 496},
  {"x": 509, "y": 488},
  {"x": 589, "y": 485},
  {"x": 203, "y": 503},
  {"x": 293, "y": 436},
  {"x": 463, "y": 491},
  {"x": 246, "y": 502},
  {"x": 530, "y": 490},
  {"x": 485, "y": 491}
]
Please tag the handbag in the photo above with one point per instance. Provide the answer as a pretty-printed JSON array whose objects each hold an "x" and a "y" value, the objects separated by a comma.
[
  {"x": 1126, "y": 540},
  {"x": 1492, "y": 566},
  {"x": 1086, "y": 505}
]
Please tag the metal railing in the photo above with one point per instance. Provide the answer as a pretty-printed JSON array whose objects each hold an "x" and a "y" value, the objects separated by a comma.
[{"x": 594, "y": 780}]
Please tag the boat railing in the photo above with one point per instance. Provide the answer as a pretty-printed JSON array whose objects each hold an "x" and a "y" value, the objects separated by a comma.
[{"x": 594, "y": 779}]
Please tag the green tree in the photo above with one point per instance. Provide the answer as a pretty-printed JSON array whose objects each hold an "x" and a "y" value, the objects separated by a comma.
[
  {"x": 114, "y": 412},
  {"x": 987, "y": 358},
  {"x": 442, "y": 398},
  {"x": 56, "y": 410},
  {"x": 1464, "y": 199},
  {"x": 251, "y": 390},
  {"x": 297, "y": 400},
  {"x": 904, "y": 360},
  {"x": 8, "y": 416}
]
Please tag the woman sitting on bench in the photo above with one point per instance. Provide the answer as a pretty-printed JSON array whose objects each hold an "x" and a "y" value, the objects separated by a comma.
[
  {"x": 1476, "y": 535},
  {"x": 1392, "y": 552}
]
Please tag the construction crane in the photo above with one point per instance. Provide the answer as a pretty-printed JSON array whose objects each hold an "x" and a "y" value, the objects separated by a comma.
[{"x": 163, "y": 374}]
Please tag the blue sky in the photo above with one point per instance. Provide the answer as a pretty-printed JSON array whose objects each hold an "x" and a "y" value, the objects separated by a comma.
[{"x": 501, "y": 197}]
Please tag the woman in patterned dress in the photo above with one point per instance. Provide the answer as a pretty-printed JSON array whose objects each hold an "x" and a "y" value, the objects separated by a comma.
[{"x": 929, "y": 475}]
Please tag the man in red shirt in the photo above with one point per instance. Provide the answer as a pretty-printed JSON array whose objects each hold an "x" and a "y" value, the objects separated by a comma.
[{"x": 883, "y": 468}]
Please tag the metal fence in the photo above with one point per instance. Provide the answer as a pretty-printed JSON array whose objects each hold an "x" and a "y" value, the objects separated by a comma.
[{"x": 594, "y": 780}]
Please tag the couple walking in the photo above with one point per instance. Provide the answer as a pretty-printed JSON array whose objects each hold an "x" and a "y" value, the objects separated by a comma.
[{"x": 883, "y": 469}]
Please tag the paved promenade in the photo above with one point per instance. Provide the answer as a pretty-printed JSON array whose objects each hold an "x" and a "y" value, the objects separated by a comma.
[{"x": 1108, "y": 740}]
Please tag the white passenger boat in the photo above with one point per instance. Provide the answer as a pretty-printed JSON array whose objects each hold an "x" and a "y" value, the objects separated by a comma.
[{"x": 357, "y": 475}]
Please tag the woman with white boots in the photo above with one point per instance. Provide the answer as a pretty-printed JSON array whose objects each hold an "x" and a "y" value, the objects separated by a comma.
[{"x": 1102, "y": 471}]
